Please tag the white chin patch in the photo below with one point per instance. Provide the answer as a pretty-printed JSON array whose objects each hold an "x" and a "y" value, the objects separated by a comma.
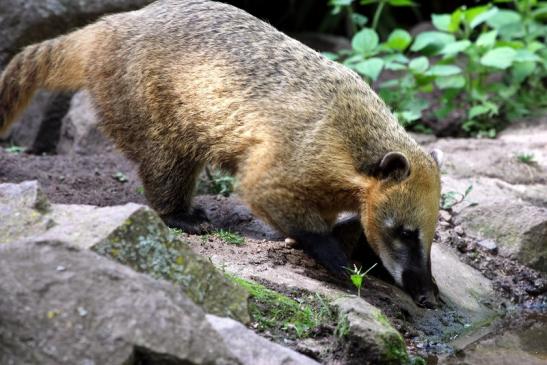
[{"x": 393, "y": 267}]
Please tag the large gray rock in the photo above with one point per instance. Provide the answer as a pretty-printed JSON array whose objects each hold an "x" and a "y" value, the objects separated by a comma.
[
  {"x": 366, "y": 335},
  {"x": 249, "y": 348},
  {"x": 63, "y": 305},
  {"x": 514, "y": 216},
  {"x": 467, "y": 158},
  {"x": 79, "y": 131},
  {"x": 131, "y": 234},
  {"x": 24, "y": 22}
]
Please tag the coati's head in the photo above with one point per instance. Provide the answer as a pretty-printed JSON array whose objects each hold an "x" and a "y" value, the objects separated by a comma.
[{"x": 399, "y": 217}]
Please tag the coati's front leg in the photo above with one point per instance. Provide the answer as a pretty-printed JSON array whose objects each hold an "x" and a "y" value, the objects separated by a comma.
[
  {"x": 300, "y": 222},
  {"x": 169, "y": 185}
]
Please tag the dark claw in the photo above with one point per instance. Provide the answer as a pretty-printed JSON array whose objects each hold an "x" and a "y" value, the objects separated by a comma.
[{"x": 195, "y": 222}]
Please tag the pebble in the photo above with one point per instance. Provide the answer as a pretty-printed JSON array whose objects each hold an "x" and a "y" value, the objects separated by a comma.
[
  {"x": 459, "y": 230},
  {"x": 489, "y": 245},
  {"x": 445, "y": 216}
]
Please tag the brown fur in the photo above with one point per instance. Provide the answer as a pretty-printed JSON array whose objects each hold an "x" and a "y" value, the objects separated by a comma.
[{"x": 180, "y": 84}]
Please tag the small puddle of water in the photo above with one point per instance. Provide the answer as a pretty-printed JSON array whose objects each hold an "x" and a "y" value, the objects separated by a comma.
[{"x": 521, "y": 341}]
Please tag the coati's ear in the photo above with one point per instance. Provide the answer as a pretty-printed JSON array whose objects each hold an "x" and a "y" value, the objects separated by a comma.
[
  {"x": 394, "y": 165},
  {"x": 438, "y": 156}
]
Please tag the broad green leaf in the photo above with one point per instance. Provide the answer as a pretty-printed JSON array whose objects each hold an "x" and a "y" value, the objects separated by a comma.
[
  {"x": 331, "y": 56},
  {"x": 396, "y": 57},
  {"x": 353, "y": 60},
  {"x": 419, "y": 64},
  {"x": 399, "y": 40},
  {"x": 511, "y": 44},
  {"x": 444, "y": 70},
  {"x": 454, "y": 48},
  {"x": 501, "y": 57},
  {"x": 521, "y": 70},
  {"x": 471, "y": 13},
  {"x": 523, "y": 55},
  {"x": 407, "y": 116},
  {"x": 487, "y": 39},
  {"x": 394, "y": 66},
  {"x": 431, "y": 39},
  {"x": 442, "y": 22},
  {"x": 370, "y": 68},
  {"x": 401, "y": 3},
  {"x": 503, "y": 18},
  {"x": 482, "y": 17},
  {"x": 359, "y": 19},
  {"x": 535, "y": 46},
  {"x": 478, "y": 110},
  {"x": 450, "y": 82},
  {"x": 365, "y": 41}
]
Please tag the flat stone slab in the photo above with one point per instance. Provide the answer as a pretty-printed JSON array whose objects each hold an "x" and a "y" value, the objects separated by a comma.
[{"x": 131, "y": 234}]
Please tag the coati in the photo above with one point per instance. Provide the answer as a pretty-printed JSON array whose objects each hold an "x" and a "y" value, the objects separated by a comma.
[{"x": 179, "y": 84}]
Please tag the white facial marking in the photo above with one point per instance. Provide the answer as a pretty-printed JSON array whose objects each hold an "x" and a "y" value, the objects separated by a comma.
[
  {"x": 393, "y": 267},
  {"x": 389, "y": 223},
  {"x": 422, "y": 247}
]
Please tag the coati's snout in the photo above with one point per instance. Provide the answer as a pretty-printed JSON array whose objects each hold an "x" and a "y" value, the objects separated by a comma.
[{"x": 399, "y": 217}]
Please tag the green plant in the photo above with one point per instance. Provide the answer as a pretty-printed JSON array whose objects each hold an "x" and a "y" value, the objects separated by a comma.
[
  {"x": 357, "y": 277},
  {"x": 15, "y": 149},
  {"x": 342, "y": 327},
  {"x": 219, "y": 182},
  {"x": 527, "y": 158},
  {"x": 452, "y": 198},
  {"x": 230, "y": 237},
  {"x": 488, "y": 60},
  {"x": 276, "y": 312}
]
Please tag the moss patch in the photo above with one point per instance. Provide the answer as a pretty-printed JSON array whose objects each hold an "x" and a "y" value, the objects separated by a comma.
[{"x": 277, "y": 313}]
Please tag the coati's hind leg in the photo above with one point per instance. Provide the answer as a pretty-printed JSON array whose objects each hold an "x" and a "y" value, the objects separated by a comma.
[{"x": 169, "y": 185}]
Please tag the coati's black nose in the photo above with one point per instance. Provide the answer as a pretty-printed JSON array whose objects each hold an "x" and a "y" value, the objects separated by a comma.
[{"x": 427, "y": 301}]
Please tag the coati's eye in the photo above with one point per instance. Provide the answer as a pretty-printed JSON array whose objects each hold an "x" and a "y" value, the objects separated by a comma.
[{"x": 408, "y": 235}]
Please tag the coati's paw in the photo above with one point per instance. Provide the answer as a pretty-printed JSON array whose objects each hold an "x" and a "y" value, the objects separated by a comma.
[{"x": 193, "y": 222}]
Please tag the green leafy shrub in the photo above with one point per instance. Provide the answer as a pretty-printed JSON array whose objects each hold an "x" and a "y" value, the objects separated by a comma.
[{"x": 487, "y": 60}]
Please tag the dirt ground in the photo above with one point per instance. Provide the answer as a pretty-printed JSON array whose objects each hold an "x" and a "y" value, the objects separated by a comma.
[{"x": 109, "y": 179}]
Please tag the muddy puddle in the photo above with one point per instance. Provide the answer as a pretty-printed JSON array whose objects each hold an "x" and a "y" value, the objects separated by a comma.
[{"x": 519, "y": 340}]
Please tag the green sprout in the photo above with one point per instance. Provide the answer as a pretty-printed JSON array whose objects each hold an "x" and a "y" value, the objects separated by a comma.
[
  {"x": 452, "y": 198},
  {"x": 15, "y": 149},
  {"x": 527, "y": 158},
  {"x": 357, "y": 277},
  {"x": 230, "y": 237}
]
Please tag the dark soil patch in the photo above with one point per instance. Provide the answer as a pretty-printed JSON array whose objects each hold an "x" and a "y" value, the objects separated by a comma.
[{"x": 76, "y": 179}]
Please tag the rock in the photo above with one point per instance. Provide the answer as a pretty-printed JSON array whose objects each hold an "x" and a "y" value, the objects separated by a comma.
[
  {"x": 488, "y": 245},
  {"x": 22, "y": 209},
  {"x": 460, "y": 286},
  {"x": 367, "y": 337},
  {"x": 131, "y": 234},
  {"x": 95, "y": 311},
  {"x": 494, "y": 210},
  {"x": 468, "y": 158},
  {"x": 24, "y": 22},
  {"x": 80, "y": 133},
  {"x": 249, "y": 348},
  {"x": 38, "y": 128}
]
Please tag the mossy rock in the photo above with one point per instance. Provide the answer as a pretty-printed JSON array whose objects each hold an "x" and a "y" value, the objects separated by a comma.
[
  {"x": 366, "y": 336},
  {"x": 144, "y": 243}
]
